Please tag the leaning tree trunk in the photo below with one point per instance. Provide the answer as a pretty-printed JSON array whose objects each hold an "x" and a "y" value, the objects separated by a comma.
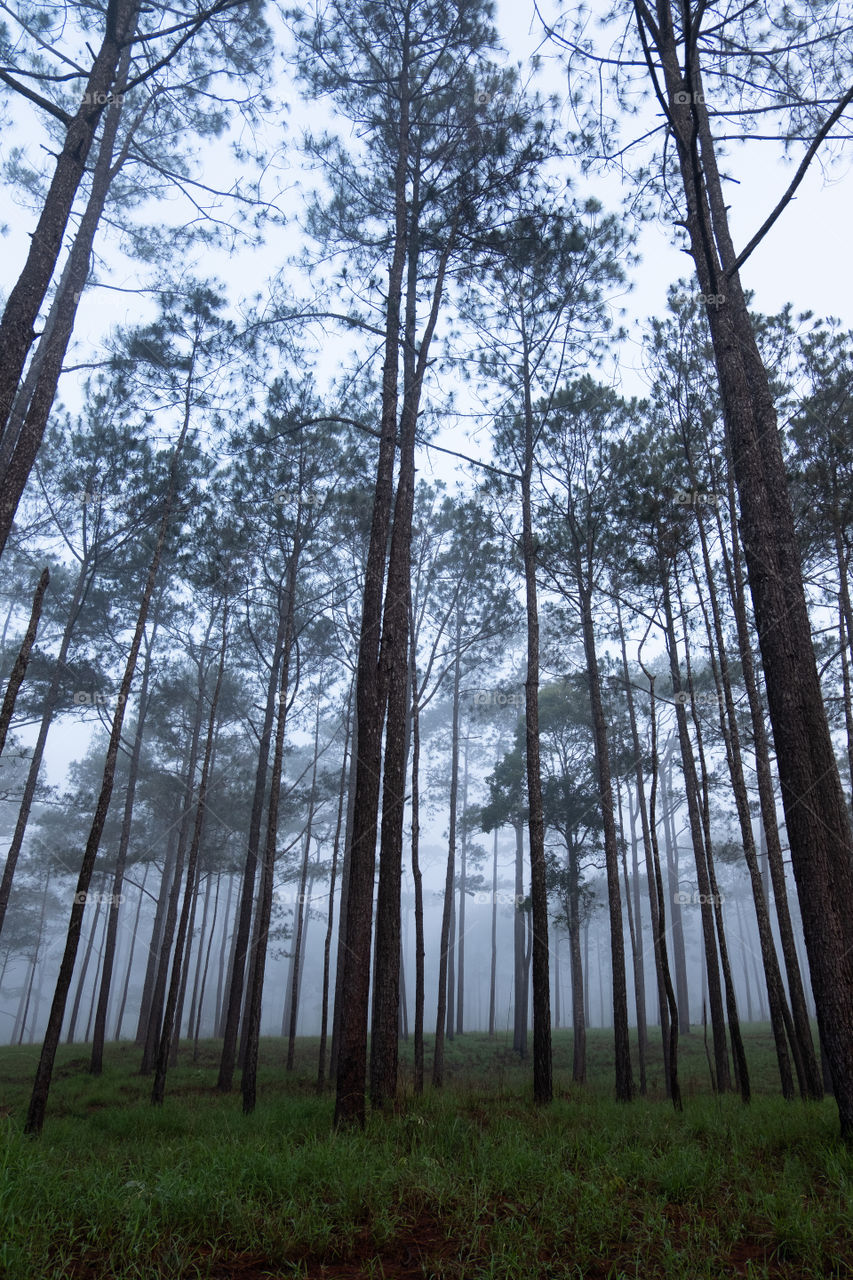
[
  {"x": 19, "y": 670},
  {"x": 44, "y": 1072},
  {"x": 38, "y": 271},
  {"x": 25, "y": 300},
  {"x": 81, "y": 586}
]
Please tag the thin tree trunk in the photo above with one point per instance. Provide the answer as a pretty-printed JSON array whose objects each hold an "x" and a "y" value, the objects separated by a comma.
[
  {"x": 493, "y": 967},
  {"x": 84, "y": 970},
  {"x": 658, "y": 937},
  {"x": 441, "y": 1013},
  {"x": 542, "y": 1067},
  {"x": 237, "y": 978},
  {"x": 301, "y": 914},
  {"x": 420, "y": 990},
  {"x": 463, "y": 878},
  {"x": 255, "y": 990},
  {"x": 203, "y": 987},
  {"x": 622, "y": 1043},
  {"x": 154, "y": 947},
  {"x": 97, "y": 1059},
  {"x": 327, "y": 945},
  {"x": 131, "y": 951},
  {"x": 19, "y": 670}
]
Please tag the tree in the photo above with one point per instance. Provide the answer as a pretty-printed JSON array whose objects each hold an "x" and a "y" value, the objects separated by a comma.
[{"x": 681, "y": 51}]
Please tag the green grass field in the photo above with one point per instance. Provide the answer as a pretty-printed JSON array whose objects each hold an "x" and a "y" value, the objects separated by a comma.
[{"x": 472, "y": 1182}]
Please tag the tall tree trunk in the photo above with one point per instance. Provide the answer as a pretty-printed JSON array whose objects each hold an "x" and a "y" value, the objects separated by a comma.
[
  {"x": 420, "y": 951},
  {"x": 296, "y": 968},
  {"x": 519, "y": 1039},
  {"x": 370, "y": 696},
  {"x": 460, "y": 916},
  {"x": 639, "y": 989},
  {"x": 220, "y": 1011},
  {"x": 542, "y": 1068},
  {"x": 493, "y": 966},
  {"x": 451, "y": 972},
  {"x": 394, "y": 685},
  {"x": 580, "y": 971},
  {"x": 450, "y": 877},
  {"x": 327, "y": 945},
  {"x": 203, "y": 987},
  {"x": 673, "y": 1019}
]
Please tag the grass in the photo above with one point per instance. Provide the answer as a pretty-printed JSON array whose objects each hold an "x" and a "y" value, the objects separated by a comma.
[{"x": 464, "y": 1184}]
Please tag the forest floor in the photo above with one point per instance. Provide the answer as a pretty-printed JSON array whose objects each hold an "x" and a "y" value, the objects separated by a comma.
[{"x": 467, "y": 1183}]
